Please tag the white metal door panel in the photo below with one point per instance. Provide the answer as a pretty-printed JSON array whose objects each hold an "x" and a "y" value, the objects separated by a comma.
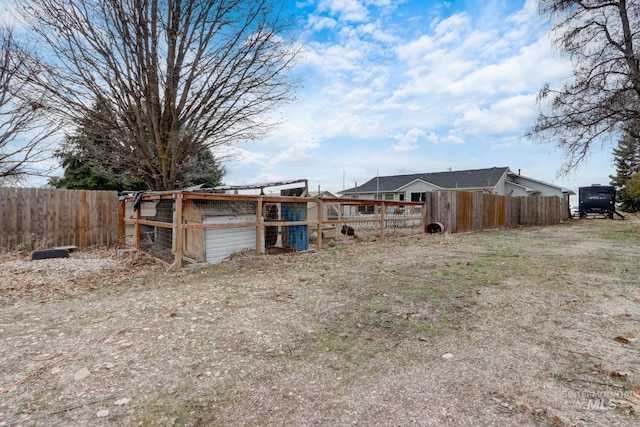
[{"x": 221, "y": 243}]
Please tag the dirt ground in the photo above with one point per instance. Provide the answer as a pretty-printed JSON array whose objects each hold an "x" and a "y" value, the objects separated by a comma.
[{"x": 525, "y": 327}]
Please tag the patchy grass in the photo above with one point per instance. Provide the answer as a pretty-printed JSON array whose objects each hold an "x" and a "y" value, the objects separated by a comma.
[{"x": 528, "y": 321}]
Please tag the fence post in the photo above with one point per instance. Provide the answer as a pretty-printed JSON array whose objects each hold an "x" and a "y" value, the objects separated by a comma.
[
  {"x": 122, "y": 228},
  {"x": 178, "y": 230},
  {"x": 259, "y": 220},
  {"x": 319, "y": 209},
  {"x": 382, "y": 207},
  {"x": 137, "y": 229}
]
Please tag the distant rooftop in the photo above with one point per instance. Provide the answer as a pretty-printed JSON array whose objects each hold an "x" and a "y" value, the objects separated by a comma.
[{"x": 475, "y": 178}]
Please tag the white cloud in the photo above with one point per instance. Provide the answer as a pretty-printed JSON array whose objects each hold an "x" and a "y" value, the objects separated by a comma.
[
  {"x": 507, "y": 115},
  {"x": 409, "y": 141},
  {"x": 376, "y": 32},
  {"x": 449, "y": 30},
  {"x": 9, "y": 15},
  {"x": 452, "y": 137},
  {"x": 525, "y": 15},
  {"x": 416, "y": 49},
  {"x": 346, "y": 10},
  {"x": 242, "y": 156},
  {"x": 530, "y": 67},
  {"x": 318, "y": 23},
  {"x": 295, "y": 154}
]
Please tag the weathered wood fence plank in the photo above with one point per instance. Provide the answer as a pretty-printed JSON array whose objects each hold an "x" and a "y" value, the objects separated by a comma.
[
  {"x": 465, "y": 211},
  {"x": 35, "y": 218}
]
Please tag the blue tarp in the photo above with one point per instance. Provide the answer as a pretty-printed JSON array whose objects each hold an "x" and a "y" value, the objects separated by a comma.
[{"x": 295, "y": 236}]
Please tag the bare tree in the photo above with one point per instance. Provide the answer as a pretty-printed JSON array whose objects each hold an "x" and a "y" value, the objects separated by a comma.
[
  {"x": 175, "y": 76},
  {"x": 23, "y": 130},
  {"x": 601, "y": 100}
]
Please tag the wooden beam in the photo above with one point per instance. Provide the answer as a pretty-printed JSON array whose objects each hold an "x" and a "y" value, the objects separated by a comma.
[
  {"x": 137, "y": 230},
  {"x": 178, "y": 231},
  {"x": 122, "y": 229},
  {"x": 382, "y": 224},
  {"x": 259, "y": 226},
  {"x": 320, "y": 209}
]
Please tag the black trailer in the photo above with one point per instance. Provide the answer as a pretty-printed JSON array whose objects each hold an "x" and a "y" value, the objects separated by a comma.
[{"x": 598, "y": 200}]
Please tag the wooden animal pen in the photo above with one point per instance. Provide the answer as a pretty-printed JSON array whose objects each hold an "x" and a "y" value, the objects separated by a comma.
[
  {"x": 200, "y": 221},
  {"x": 205, "y": 226},
  {"x": 199, "y": 244}
]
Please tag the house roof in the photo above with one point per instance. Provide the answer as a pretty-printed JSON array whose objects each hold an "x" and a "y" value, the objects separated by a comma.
[
  {"x": 516, "y": 175},
  {"x": 477, "y": 178}
]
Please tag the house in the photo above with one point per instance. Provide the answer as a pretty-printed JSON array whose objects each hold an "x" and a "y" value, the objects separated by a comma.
[
  {"x": 413, "y": 187},
  {"x": 330, "y": 212}
]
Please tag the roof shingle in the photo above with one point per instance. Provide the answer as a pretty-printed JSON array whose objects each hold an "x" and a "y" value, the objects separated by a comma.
[{"x": 476, "y": 178}]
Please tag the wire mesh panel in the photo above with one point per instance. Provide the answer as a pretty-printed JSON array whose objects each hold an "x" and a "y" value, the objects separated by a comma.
[
  {"x": 155, "y": 239},
  {"x": 194, "y": 227}
]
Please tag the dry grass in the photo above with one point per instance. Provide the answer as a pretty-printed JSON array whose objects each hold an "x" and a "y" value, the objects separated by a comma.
[{"x": 537, "y": 325}]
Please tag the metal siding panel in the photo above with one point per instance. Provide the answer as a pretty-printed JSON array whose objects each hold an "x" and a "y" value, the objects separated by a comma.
[{"x": 220, "y": 243}]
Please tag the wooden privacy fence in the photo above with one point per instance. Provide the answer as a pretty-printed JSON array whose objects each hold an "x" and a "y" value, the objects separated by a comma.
[
  {"x": 36, "y": 218},
  {"x": 462, "y": 211}
]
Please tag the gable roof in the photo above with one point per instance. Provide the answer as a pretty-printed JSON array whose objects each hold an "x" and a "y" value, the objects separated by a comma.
[{"x": 477, "y": 178}]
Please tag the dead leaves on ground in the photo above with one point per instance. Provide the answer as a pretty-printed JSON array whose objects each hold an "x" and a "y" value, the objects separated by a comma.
[{"x": 626, "y": 338}]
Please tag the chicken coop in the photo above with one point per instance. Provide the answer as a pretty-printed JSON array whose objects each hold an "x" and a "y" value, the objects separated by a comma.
[
  {"x": 234, "y": 231},
  {"x": 205, "y": 225}
]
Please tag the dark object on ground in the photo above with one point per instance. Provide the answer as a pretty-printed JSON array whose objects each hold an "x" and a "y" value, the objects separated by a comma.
[
  {"x": 349, "y": 231},
  {"x": 434, "y": 227},
  {"x": 50, "y": 253},
  {"x": 70, "y": 248},
  {"x": 598, "y": 199}
]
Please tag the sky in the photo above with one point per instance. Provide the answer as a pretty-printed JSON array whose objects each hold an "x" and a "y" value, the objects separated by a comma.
[
  {"x": 391, "y": 87},
  {"x": 394, "y": 87}
]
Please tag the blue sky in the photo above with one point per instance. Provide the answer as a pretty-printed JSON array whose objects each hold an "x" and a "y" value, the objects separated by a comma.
[{"x": 391, "y": 87}]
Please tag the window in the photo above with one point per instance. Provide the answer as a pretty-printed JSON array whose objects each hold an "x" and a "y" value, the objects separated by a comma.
[
  {"x": 418, "y": 197},
  {"x": 388, "y": 196},
  {"x": 366, "y": 209}
]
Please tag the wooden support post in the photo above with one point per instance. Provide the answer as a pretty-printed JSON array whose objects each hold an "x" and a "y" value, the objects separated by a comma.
[
  {"x": 122, "y": 228},
  {"x": 259, "y": 226},
  {"x": 320, "y": 209},
  {"x": 137, "y": 229},
  {"x": 178, "y": 231},
  {"x": 382, "y": 208}
]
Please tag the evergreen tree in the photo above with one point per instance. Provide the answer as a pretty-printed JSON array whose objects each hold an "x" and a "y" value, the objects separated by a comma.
[
  {"x": 627, "y": 161},
  {"x": 633, "y": 190},
  {"x": 91, "y": 162},
  {"x": 85, "y": 169},
  {"x": 206, "y": 169}
]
